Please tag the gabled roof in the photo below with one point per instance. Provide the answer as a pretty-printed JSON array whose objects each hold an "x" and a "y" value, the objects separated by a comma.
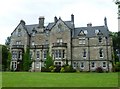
[
  {"x": 69, "y": 24},
  {"x": 91, "y": 31}
]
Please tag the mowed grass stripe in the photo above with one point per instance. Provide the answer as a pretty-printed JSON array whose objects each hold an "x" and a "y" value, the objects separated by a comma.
[{"x": 37, "y": 79}]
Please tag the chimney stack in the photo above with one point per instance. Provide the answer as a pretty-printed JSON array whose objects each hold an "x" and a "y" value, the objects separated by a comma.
[
  {"x": 55, "y": 19},
  {"x": 105, "y": 21},
  {"x": 89, "y": 25},
  {"x": 72, "y": 18},
  {"x": 41, "y": 22}
]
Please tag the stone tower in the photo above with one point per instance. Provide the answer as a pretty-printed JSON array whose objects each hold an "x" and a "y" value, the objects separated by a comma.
[{"x": 117, "y": 2}]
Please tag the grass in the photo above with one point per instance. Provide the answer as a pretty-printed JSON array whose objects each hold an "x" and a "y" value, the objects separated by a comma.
[{"x": 37, "y": 79}]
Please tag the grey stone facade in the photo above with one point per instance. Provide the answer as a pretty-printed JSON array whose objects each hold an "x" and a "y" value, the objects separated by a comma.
[{"x": 85, "y": 48}]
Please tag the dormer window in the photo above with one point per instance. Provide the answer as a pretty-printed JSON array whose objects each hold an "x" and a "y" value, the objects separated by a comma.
[
  {"x": 85, "y": 32},
  {"x": 97, "y": 31}
]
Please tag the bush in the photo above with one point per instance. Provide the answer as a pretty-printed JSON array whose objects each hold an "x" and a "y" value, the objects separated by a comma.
[
  {"x": 99, "y": 70},
  {"x": 62, "y": 70},
  {"x": 57, "y": 68},
  {"x": 52, "y": 68},
  {"x": 43, "y": 69},
  {"x": 69, "y": 69},
  {"x": 117, "y": 67}
]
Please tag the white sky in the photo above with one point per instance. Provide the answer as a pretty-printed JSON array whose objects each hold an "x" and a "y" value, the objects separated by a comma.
[{"x": 85, "y": 11}]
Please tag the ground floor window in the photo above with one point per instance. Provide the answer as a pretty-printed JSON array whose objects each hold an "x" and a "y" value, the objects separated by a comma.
[
  {"x": 82, "y": 65},
  {"x": 93, "y": 64},
  {"x": 58, "y": 63},
  {"x": 14, "y": 65},
  {"x": 104, "y": 64}
]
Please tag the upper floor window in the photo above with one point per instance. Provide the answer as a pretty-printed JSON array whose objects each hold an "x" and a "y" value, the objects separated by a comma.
[
  {"x": 101, "y": 52},
  {"x": 97, "y": 31},
  {"x": 82, "y": 40},
  {"x": 100, "y": 39},
  {"x": 58, "y": 54},
  {"x": 45, "y": 54},
  {"x": 84, "y": 53},
  {"x": 59, "y": 40},
  {"x": 38, "y": 55},
  {"x": 18, "y": 42},
  {"x": 85, "y": 32}
]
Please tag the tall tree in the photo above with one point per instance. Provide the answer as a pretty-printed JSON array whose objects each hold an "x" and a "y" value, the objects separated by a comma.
[
  {"x": 116, "y": 44},
  {"x": 26, "y": 60},
  {"x": 9, "y": 60},
  {"x": 4, "y": 57}
]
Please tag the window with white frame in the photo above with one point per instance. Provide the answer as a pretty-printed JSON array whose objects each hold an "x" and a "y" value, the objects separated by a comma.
[
  {"x": 84, "y": 53},
  {"x": 93, "y": 64},
  {"x": 59, "y": 40},
  {"x": 82, "y": 65},
  {"x": 18, "y": 42},
  {"x": 100, "y": 39},
  {"x": 82, "y": 40},
  {"x": 104, "y": 64},
  {"x": 101, "y": 52},
  {"x": 74, "y": 64},
  {"x": 58, "y": 54},
  {"x": 14, "y": 54},
  {"x": 96, "y": 31},
  {"x": 45, "y": 54},
  {"x": 85, "y": 32},
  {"x": 38, "y": 54}
]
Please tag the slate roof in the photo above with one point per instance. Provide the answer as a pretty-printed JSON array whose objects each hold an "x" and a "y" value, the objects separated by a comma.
[{"x": 91, "y": 31}]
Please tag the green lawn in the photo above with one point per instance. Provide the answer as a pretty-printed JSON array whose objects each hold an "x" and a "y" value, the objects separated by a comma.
[{"x": 37, "y": 79}]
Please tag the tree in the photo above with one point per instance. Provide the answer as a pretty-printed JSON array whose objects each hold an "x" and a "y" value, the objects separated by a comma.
[
  {"x": 116, "y": 44},
  {"x": 4, "y": 57},
  {"x": 26, "y": 60},
  {"x": 49, "y": 61},
  {"x": 7, "y": 42},
  {"x": 9, "y": 60}
]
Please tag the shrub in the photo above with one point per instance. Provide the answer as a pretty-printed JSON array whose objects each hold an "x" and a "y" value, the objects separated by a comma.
[
  {"x": 52, "y": 68},
  {"x": 57, "y": 68},
  {"x": 99, "y": 70},
  {"x": 69, "y": 69},
  {"x": 117, "y": 67},
  {"x": 62, "y": 70},
  {"x": 43, "y": 69}
]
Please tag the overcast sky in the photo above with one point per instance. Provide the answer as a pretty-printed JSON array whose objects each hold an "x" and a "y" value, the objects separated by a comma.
[{"x": 85, "y": 11}]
